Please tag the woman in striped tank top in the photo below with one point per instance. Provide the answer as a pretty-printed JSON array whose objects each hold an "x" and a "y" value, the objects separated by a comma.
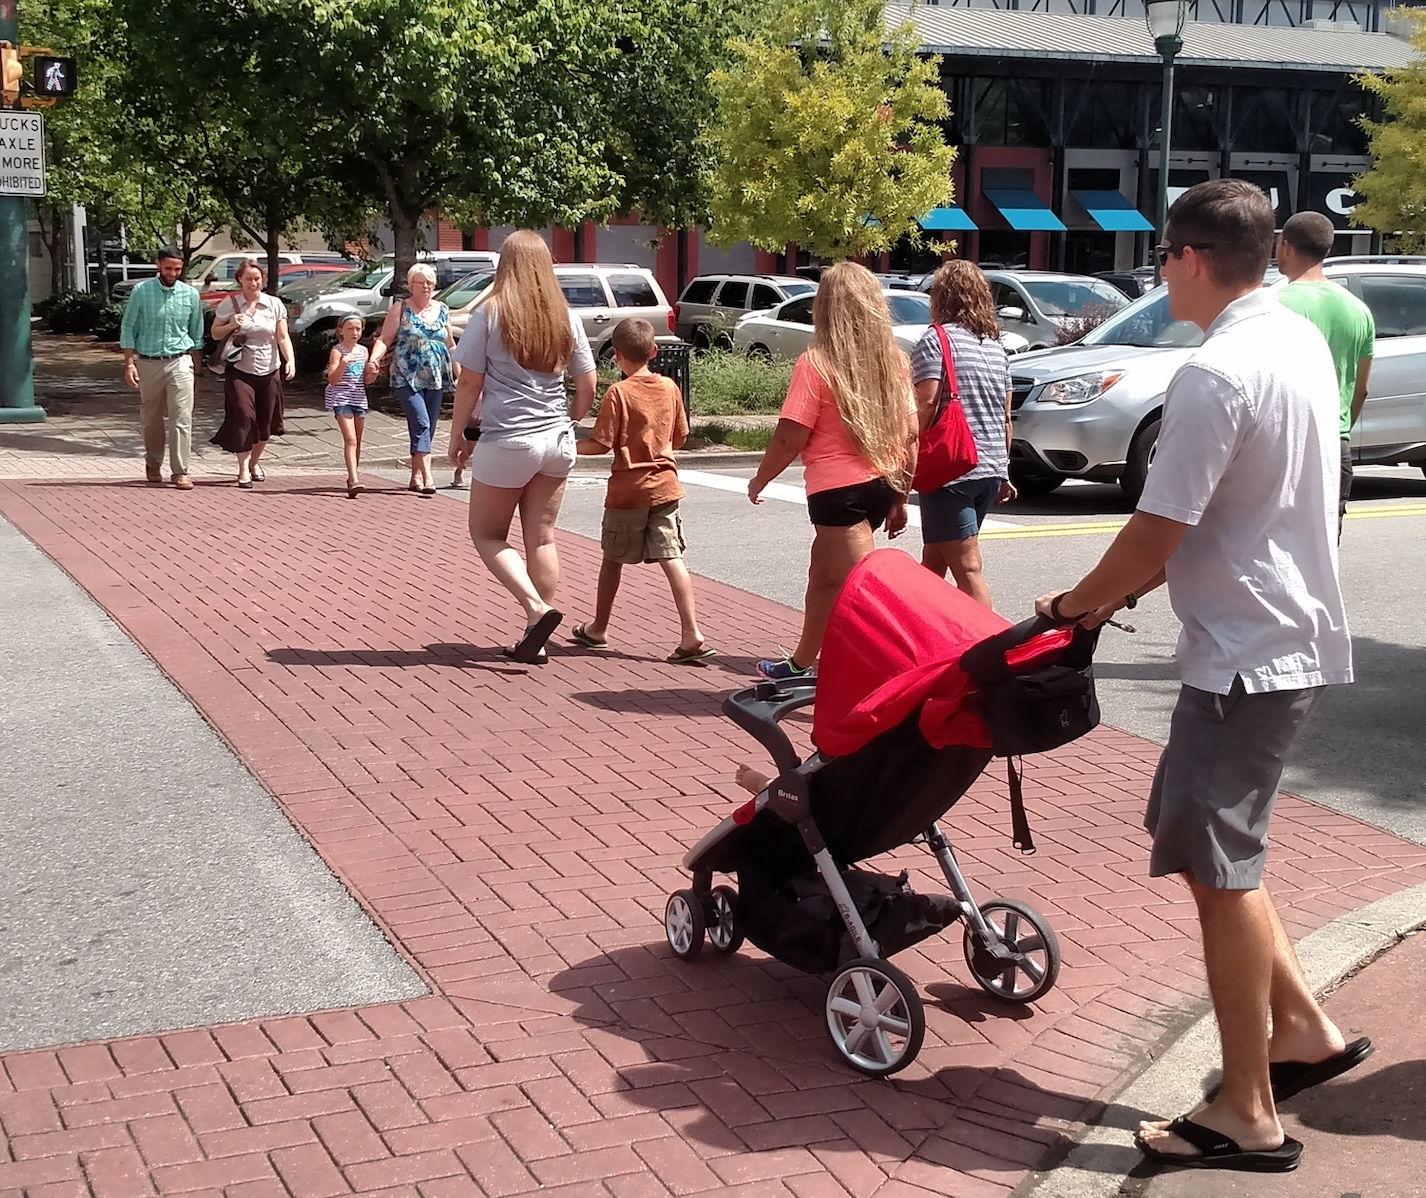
[{"x": 346, "y": 394}]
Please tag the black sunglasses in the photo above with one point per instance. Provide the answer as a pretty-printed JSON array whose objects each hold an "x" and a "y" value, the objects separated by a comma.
[{"x": 1162, "y": 252}]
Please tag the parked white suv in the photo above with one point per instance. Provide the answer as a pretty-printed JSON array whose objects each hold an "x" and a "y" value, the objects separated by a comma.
[
  {"x": 315, "y": 305},
  {"x": 712, "y": 305},
  {"x": 601, "y": 296},
  {"x": 1092, "y": 410}
]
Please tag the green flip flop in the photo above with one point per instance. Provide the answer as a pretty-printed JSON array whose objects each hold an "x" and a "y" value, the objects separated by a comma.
[
  {"x": 680, "y": 657},
  {"x": 580, "y": 633}
]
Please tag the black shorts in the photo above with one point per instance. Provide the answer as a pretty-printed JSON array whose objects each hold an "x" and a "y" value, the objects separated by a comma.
[{"x": 843, "y": 507}]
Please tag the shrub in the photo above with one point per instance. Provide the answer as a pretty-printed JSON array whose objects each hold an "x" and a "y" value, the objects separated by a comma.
[
  {"x": 728, "y": 384},
  {"x": 1091, "y": 316},
  {"x": 73, "y": 311},
  {"x": 106, "y": 323},
  {"x": 742, "y": 438}
]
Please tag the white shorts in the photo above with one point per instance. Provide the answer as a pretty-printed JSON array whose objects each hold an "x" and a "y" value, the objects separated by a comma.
[{"x": 511, "y": 462}]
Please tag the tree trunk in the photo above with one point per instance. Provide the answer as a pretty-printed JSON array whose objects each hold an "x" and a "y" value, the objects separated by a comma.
[
  {"x": 273, "y": 247},
  {"x": 403, "y": 233}
]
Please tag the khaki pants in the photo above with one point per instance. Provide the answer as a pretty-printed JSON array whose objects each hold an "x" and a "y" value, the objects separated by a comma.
[{"x": 166, "y": 407}]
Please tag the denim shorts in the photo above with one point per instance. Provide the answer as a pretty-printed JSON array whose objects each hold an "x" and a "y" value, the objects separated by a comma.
[
  {"x": 956, "y": 512},
  {"x": 349, "y": 409}
]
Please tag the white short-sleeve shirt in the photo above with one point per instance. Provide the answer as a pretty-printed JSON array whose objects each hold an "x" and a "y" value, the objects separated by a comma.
[{"x": 1249, "y": 458}]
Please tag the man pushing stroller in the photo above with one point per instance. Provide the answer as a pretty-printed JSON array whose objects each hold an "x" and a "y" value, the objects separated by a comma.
[{"x": 1239, "y": 517}]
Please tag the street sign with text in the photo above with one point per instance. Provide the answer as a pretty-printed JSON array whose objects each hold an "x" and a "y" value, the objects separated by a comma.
[{"x": 22, "y": 154}]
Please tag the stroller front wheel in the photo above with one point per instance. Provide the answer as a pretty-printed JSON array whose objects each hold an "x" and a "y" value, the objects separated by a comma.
[
  {"x": 875, "y": 1017},
  {"x": 684, "y": 924},
  {"x": 723, "y": 929},
  {"x": 1025, "y": 963}
]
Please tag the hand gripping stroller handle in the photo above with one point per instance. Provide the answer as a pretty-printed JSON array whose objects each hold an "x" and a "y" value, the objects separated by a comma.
[{"x": 985, "y": 662}]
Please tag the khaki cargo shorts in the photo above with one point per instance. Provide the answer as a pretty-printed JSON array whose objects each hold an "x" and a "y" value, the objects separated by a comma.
[{"x": 645, "y": 534}]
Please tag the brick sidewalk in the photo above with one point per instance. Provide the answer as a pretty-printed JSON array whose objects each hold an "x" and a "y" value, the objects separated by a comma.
[{"x": 516, "y": 833}]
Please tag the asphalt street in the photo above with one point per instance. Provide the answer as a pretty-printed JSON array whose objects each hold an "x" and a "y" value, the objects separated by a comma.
[
  {"x": 147, "y": 881},
  {"x": 1362, "y": 753}
]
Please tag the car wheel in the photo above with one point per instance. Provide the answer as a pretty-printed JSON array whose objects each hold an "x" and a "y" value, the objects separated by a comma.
[
  {"x": 1141, "y": 455},
  {"x": 1031, "y": 482},
  {"x": 760, "y": 352},
  {"x": 699, "y": 339},
  {"x": 606, "y": 353}
]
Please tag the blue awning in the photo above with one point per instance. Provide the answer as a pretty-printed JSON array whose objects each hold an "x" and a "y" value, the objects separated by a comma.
[
  {"x": 949, "y": 216},
  {"x": 1112, "y": 212},
  {"x": 1023, "y": 209}
]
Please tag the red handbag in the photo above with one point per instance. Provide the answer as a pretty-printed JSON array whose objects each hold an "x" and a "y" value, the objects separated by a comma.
[{"x": 947, "y": 448}]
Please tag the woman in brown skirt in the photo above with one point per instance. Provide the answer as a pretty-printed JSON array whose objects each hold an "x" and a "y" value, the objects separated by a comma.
[{"x": 252, "y": 391}]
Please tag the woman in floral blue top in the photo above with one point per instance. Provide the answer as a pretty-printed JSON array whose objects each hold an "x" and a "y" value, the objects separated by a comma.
[{"x": 417, "y": 332}]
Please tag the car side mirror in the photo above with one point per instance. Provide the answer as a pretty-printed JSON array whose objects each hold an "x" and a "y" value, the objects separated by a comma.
[
  {"x": 388, "y": 290},
  {"x": 1010, "y": 314}
]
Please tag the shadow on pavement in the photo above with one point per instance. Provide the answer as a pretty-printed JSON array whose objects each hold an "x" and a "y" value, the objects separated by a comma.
[
  {"x": 1388, "y": 1102},
  {"x": 735, "y": 1039},
  {"x": 1385, "y": 755},
  {"x": 459, "y": 656}
]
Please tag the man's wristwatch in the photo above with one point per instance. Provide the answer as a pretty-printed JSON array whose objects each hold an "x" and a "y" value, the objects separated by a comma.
[{"x": 472, "y": 432}]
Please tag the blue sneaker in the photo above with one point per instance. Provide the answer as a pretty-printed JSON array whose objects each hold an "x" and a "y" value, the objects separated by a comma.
[{"x": 785, "y": 671}]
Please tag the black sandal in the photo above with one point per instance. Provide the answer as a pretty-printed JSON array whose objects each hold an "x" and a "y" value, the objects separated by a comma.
[
  {"x": 532, "y": 644},
  {"x": 1217, "y": 1151}
]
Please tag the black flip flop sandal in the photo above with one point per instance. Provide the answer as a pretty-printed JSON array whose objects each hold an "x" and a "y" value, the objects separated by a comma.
[
  {"x": 1217, "y": 1151},
  {"x": 1292, "y": 1077},
  {"x": 532, "y": 644}
]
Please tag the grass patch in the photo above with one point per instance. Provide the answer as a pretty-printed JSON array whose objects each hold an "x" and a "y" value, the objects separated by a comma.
[
  {"x": 727, "y": 384},
  {"x": 740, "y": 438}
]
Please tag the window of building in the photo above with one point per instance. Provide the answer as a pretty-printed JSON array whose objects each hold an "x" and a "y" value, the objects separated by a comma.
[
  {"x": 1004, "y": 247},
  {"x": 633, "y": 291},
  {"x": 1196, "y": 119},
  {"x": 1334, "y": 120},
  {"x": 1011, "y": 112},
  {"x": 1088, "y": 253},
  {"x": 1101, "y": 115},
  {"x": 1264, "y": 120}
]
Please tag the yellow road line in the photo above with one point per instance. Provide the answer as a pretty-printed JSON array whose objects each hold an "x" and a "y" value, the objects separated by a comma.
[
  {"x": 1370, "y": 513},
  {"x": 1112, "y": 526}
]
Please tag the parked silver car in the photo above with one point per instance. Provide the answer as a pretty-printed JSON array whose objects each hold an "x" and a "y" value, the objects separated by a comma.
[
  {"x": 1092, "y": 410},
  {"x": 1040, "y": 305},
  {"x": 711, "y": 305},
  {"x": 317, "y": 304},
  {"x": 786, "y": 331}
]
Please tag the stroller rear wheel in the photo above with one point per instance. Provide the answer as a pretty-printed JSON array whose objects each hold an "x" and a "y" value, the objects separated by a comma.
[
  {"x": 1030, "y": 952},
  {"x": 875, "y": 1017},
  {"x": 724, "y": 931},
  {"x": 683, "y": 924}
]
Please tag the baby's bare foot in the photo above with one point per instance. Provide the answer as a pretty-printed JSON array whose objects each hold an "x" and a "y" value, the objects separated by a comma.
[{"x": 751, "y": 780}]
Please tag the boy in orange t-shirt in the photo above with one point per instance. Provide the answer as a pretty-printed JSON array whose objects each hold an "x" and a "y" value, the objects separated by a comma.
[{"x": 642, "y": 422}]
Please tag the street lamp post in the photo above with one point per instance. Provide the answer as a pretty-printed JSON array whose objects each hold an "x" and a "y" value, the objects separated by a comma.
[{"x": 1165, "y": 19}]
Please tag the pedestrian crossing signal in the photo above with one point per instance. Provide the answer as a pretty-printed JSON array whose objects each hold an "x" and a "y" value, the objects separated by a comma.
[
  {"x": 54, "y": 76},
  {"x": 11, "y": 72}
]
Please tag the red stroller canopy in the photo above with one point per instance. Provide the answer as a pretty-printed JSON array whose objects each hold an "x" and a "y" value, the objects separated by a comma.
[{"x": 894, "y": 638}]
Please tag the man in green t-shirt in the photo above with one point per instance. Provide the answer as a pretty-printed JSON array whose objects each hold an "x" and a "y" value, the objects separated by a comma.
[{"x": 1344, "y": 320}]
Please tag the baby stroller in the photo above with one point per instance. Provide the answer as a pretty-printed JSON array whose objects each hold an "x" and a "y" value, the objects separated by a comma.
[{"x": 919, "y": 687}]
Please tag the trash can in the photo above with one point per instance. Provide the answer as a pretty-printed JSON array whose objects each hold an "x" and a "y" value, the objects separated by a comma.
[{"x": 673, "y": 360}]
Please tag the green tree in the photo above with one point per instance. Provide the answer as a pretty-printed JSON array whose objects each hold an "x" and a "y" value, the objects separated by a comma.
[
  {"x": 484, "y": 109},
  {"x": 1395, "y": 187},
  {"x": 829, "y": 132}
]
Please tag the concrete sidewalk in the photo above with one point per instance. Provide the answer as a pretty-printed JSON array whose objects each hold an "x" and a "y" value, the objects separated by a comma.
[{"x": 515, "y": 834}]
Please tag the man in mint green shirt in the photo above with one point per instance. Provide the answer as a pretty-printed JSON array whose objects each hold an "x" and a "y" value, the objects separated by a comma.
[
  {"x": 1343, "y": 319},
  {"x": 162, "y": 339}
]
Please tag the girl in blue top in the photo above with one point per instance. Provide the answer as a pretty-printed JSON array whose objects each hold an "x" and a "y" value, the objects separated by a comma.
[{"x": 346, "y": 394}]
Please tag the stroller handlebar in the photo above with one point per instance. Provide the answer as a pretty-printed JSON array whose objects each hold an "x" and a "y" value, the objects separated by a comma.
[
  {"x": 986, "y": 660},
  {"x": 757, "y": 709}
]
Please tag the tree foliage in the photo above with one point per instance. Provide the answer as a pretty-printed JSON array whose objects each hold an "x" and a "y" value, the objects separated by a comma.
[
  {"x": 829, "y": 132},
  {"x": 1395, "y": 187}
]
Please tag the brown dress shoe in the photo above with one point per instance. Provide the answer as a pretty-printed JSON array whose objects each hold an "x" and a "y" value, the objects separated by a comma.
[
  {"x": 153, "y": 476},
  {"x": 182, "y": 482}
]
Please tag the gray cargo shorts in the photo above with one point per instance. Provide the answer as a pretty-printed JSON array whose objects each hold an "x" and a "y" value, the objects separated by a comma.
[{"x": 1214, "y": 789}]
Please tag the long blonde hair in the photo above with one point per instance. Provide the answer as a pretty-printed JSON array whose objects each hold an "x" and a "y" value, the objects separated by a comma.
[
  {"x": 533, "y": 313},
  {"x": 854, "y": 351}
]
